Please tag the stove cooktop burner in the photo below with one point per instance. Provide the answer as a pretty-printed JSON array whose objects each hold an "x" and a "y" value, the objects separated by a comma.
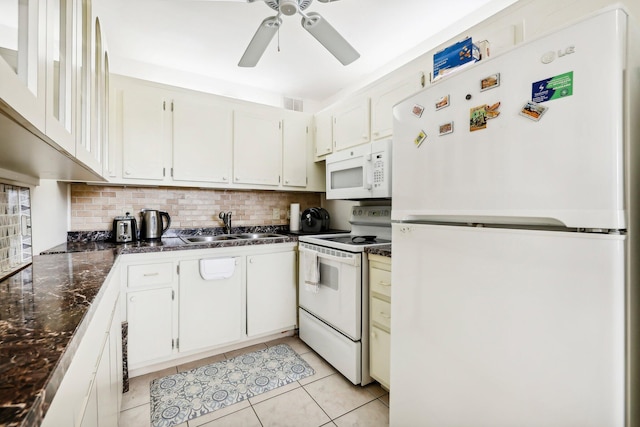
[{"x": 357, "y": 240}]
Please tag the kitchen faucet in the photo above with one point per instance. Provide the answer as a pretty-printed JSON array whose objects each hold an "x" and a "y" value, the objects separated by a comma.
[{"x": 226, "y": 219}]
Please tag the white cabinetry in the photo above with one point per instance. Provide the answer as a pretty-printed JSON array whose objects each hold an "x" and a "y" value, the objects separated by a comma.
[
  {"x": 351, "y": 123},
  {"x": 211, "y": 311},
  {"x": 380, "y": 318},
  {"x": 271, "y": 292},
  {"x": 202, "y": 138},
  {"x": 323, "y": 128},
  {"x": 256, "y": 300},
  {"x": 384, "y": 96},
  {"x": 91, "y": 390},
  {"x": 50, "y": 52},
  {"x": 173, "y": 136},
  {"x": 295, "y": 140},
  {"x": 150, "y": 315},
  {"x": 144, "y": 126},
  {"x": 257, "y": 148},
  {"x": 150, "y": 311}
]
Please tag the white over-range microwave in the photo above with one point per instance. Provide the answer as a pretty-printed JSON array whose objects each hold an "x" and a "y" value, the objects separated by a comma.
[{"x": 362, "y": 172}]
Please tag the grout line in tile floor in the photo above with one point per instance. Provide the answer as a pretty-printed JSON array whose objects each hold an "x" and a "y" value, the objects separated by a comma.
[{"x": 356, "y": 415}]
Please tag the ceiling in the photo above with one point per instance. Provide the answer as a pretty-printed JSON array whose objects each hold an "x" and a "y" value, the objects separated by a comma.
[{"x": 204, "y": 39}]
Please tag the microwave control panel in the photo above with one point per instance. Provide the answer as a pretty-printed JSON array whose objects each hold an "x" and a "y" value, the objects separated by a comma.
[{"x": 378, "y": 170}]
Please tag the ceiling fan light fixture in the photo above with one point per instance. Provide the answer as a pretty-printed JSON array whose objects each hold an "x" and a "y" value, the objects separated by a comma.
[{"x": 288, "y": 7}]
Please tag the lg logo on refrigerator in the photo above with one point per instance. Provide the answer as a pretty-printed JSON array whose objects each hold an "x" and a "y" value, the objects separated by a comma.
[{"x": 550, "y": 56}]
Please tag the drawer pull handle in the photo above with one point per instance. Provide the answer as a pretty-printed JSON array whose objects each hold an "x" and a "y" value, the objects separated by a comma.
[
  {"x": 384, "y": 283},
  {"x": 150, "y": 274},
  {"x": 384, "y": 315},
  {"x": 374, "y": 335}
]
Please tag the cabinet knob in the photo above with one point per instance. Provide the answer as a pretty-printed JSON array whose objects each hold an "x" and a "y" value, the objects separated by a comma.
[
  {"x": 224, "y": 178},
  {"x": 127, "y": 172},
  {"x": 237, "y": 179},
  {"x": 286, "y": 182},
  {"x": 374, "y": 335},
  {"x": 132, "y": 299}
]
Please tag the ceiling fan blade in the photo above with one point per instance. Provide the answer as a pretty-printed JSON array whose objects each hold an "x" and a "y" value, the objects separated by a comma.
[
  {"x": 319, "y": 28},
  {"x": 261, "y": 39}
]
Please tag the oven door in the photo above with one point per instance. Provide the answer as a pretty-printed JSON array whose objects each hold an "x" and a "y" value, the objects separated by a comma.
[{"x": 337, "y": 299}]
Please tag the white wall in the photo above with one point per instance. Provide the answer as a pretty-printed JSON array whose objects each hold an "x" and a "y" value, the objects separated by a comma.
[{"x": 50, "y": 215}]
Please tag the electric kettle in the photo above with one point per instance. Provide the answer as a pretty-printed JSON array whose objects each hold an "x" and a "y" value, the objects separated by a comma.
[{"x": 151, "y": 226}]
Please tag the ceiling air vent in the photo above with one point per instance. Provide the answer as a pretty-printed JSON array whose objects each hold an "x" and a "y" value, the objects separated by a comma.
[{"x": 293, "y": 104}]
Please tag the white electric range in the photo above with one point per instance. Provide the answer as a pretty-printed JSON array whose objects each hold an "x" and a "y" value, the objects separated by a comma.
[{"x": 333, "y": 288}]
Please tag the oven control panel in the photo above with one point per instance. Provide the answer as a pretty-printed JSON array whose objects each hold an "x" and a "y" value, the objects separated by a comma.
[{"x": 371, "y": 214}]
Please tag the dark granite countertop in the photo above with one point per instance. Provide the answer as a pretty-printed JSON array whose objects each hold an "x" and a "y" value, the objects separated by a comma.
[
  {"x": 171, "y": 241},
  {"x": 41, "y": 308},
  {"x": 384, "y": 250}
]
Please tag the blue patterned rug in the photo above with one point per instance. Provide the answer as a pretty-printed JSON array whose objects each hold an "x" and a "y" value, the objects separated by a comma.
[{"x": 186, "y": 395}]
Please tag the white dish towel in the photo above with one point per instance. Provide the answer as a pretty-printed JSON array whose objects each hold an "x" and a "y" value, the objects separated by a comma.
[{"x": 311, "y": 272}]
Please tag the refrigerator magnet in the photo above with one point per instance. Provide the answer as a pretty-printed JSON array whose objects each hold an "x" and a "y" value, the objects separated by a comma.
[
  {"x": 533, "y": 111},
  {"x": 478, "y": 118},
  {"x": 446, "y": 128},
  {"x": 417, "y": 110},
  {"x": 420, "y": 138},
  {"x": 490, "y": 82},
  {"x": 442, "y": 102},
  {"x": 492, "y": 111}
]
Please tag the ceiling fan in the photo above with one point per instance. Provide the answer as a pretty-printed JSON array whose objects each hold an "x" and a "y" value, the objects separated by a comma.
[{"x": 313, "y": 22}]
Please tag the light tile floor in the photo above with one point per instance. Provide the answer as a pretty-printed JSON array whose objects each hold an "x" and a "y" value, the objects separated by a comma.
[{"x": 323, "y": 399}]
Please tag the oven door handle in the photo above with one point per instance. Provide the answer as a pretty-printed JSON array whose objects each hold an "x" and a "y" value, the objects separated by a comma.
[{"x": 353, "y": 261}]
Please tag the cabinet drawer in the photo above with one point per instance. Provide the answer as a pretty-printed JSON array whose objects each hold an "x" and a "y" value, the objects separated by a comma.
[
  {"x": 380, "y": 281},
  {"x": 381, "y": 312},
  {"x": 149, "y": 274}
]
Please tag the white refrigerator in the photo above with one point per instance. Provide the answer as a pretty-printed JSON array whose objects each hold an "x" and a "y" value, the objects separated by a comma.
[{"x": 515, "y": 250}]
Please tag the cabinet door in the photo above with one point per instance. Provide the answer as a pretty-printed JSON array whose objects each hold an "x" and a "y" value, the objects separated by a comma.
[
  {"x": 257, "y": 148},
  {"x": 351, "y": 124},
  {"x": 323, "y": 133},
  {"x": 150, "y": 317},
  {"x": 202, "y": 142},
  {"x": 271, "y": 293},
  {"x": 294, "y": 150},
  {"x": 211, "y": 311},
  {"x": 384, "y": 97},
  {"x": 143, "y": 133},
  {"x": 380, "y": 355}
]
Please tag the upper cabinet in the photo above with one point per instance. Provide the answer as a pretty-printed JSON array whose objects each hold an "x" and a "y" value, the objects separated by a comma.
[
  {"x": 257, "y": 148},
  {"x": 323, "y": 133},
  {"x": 174, "y": 136},
  {"x": 53, "y": 82},
  {"x": 201, "y": 143},
  {"x": 22, "y": 71},
  {"x": 295, "y": 141},
  {"x": 351, "y": 122},
  {"x": 365, "y": 117},
  {"x": 384, "y": 96}
]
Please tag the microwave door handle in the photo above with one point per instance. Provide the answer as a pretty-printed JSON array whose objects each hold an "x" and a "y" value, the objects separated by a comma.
[{"x": 369, "y": 172}]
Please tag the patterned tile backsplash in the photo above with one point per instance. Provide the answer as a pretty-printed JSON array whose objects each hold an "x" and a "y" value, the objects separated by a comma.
[
  {"x": 15, "y": 228},
  {"x": 93, "y": 207}
]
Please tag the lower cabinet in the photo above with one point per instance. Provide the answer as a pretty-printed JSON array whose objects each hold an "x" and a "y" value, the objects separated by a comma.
[
  {"x": 380, "y": 318},
  {"x": 176, "y": 309},
  {"x": 271, "y": 292},
  {"x": 150, "y": 316},
  {"x": 211, "y": 309},
  {"x": 91, "y": 390}
]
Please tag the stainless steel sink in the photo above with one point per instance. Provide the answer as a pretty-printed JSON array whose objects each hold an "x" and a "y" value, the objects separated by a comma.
[
  {"x": 221, "y": 237},
  {"x": 207, "y": 238},
  {"x": 258, "y": 235}
]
